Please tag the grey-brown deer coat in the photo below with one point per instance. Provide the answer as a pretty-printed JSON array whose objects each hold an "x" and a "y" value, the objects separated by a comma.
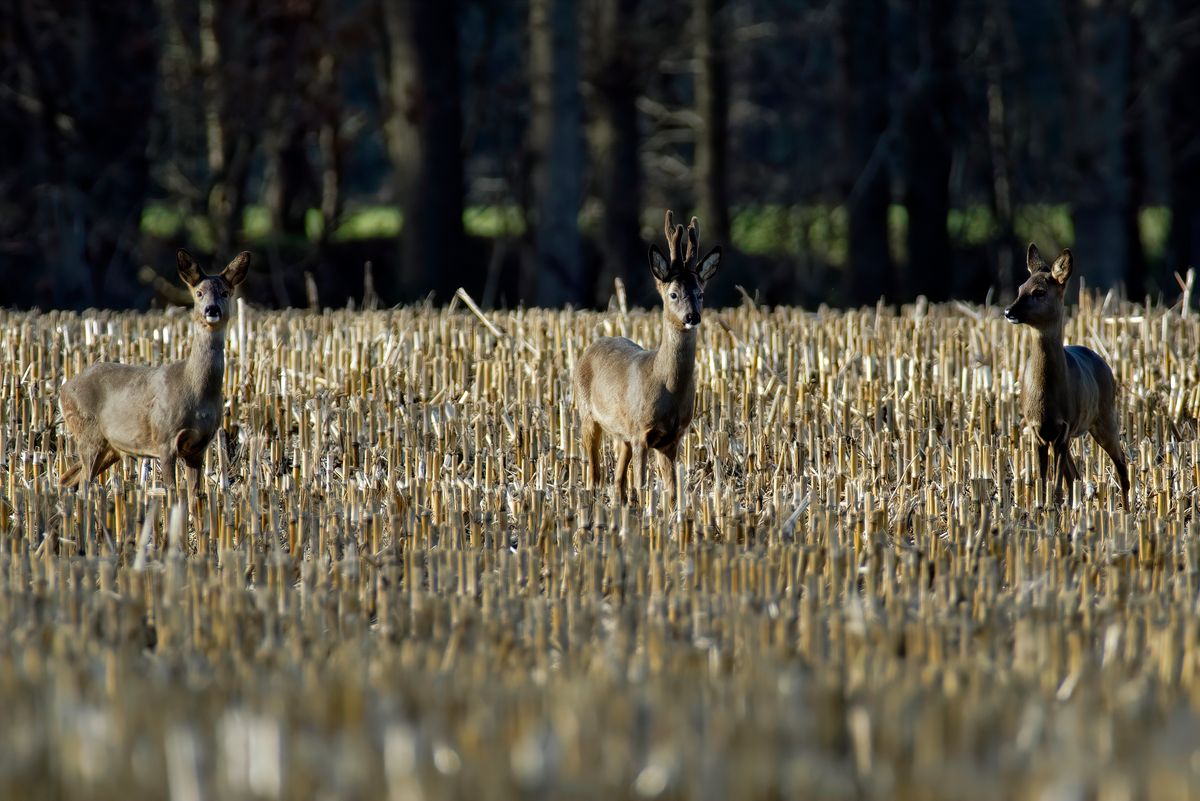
[
  {"x": 645, "y": 399},
  {"x": 170, "y": 412}
]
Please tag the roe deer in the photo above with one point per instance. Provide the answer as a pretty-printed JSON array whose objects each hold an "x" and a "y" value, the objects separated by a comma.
[
  {"x": 169, "y": 412},
  {"x": 645, "y": 398},
  {"x": 1066, "y": 391}
]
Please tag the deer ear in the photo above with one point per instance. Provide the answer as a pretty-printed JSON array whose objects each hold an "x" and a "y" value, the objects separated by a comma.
[
  {"x": 1033, "y": 260},
  {"x": 659, "y": 266},
  {"x": 235, "y": 271},
  {"x": 189, "y": 270},
  {"x": 707, "y": 267},
  {"x": 1061, "y": 271}
]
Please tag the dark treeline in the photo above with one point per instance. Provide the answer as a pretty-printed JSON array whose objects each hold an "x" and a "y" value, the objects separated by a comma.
[{"x": 842, "y": 150}]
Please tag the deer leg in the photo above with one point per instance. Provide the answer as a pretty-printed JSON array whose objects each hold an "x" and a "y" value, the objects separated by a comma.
[
  {"x": 1065, "y": 470},
  {"x": 1107, "y": 438},
  {"x": 167, "y": 463},
  {"x": 195, "y": 472},
  {"x": 666, "y": 471},
  {"x": 639, "y": 468},
  {"x": 1043, "y": 457},
  {"x": 94, "y": 459},
  {"x": 1043, "y": 461},
  {"x": 106, "y": 459},
  {"x": 624, "y": 453},
  {"x": 89, "y": 458},
  {"x": 189, "y": 446},
  {"x": 1073, "y": 474},
  {"x": 591, "y": 447}
]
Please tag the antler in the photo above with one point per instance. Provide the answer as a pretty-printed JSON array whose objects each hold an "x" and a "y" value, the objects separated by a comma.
[
  {"x": 693, "y": 244},
  {"x": 674, "y": 236}
]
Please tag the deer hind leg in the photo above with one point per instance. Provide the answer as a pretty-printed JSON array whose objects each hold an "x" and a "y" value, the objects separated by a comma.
[
  {"x": 1106, "y": 437},
  {"x": 95, "y": 455},
  {"x": 624, "y": 454}
]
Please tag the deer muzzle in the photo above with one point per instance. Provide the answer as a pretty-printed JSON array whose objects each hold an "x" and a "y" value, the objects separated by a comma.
[
  {"x": 691, "y": 320},
  {"x": 212, "y": 314}
]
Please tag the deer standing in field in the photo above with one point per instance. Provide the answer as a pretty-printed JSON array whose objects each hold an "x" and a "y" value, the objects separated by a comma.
[
  {"x": 1066, "y": 391},
  {"x": 169, "y": 412},
  {"x": 644, "y": 399}
]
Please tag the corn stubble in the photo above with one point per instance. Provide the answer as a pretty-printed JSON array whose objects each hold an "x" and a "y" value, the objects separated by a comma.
[{"x": 397, "y": 584}]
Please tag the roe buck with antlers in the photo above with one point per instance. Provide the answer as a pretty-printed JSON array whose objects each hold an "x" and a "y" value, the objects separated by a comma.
[
  {"x": 169, "y": 412},
  {"x": 1067, "y": 391},
  {"x": 645, "y": 398}
]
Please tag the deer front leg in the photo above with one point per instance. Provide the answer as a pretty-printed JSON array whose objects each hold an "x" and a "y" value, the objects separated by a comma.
[
  {"x": 167, "y": 463},
  {"x": 190, "y": 446},
  {"x": 666, "y": 471},
  {"x": 639, "y": 468},
  {"x": 624, "y": 453},
  {"x": 107, "y": 458},
  {"x": 1065, "y": 470},
  {"x": 591, "y": 450},
  {"x": 195, "y": 473},
  {"x": 93, "y": 461},
  {"x": 1043, "y": 459}
]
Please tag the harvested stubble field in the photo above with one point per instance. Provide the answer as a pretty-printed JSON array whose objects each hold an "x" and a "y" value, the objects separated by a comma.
[{"x": 397, "y": 586}]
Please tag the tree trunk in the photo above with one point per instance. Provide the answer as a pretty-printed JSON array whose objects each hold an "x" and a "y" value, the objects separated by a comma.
[
  {"x": 1132, "y": 142},
  {"x": 615, "y": 151},
  {"x": 556, "y": 143},
  {"x": 927, "y": 153},
  {"x": 82, "y": 179},
  {"x": 289, "y": 181},
  {"x": 1101, "y": 236},
  {"x": 424, "y": 131},
  {"x": 1183, "y": 138},
  {"x": 712, "y": 107},
  {"x": 232, "y": 95},
  {"x": 862, "y": 60}
]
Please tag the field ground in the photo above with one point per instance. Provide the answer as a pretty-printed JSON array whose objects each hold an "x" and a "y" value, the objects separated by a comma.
[{"x": 397, "y": 586}]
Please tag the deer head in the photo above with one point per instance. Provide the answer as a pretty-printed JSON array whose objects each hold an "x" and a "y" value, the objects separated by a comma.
[
  {"x": 210, "y": 293},
  {"x": 1039, "y": 301},
  {"x": 681, "y": 278}
]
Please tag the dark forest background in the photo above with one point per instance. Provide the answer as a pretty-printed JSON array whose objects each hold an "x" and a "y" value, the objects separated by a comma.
[{"x": 378, "y": 152}]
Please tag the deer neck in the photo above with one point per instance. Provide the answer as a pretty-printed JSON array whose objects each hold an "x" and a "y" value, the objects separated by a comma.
[
  {"x": 675, "y": 361},
  {"x": 206, "y": 363},
  {"x": 1049, "y": 360}
]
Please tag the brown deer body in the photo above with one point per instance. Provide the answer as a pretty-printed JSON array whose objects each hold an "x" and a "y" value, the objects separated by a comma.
[
  {"x": 1067, "y": 391},
  {"x": 644, "y": 399},
  {"x": 169, "y": 412}
]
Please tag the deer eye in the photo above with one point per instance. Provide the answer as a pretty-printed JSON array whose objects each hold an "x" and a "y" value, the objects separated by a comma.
[
  {"x": 674, "y": 296},
  {"x": 1037, "y": 293}
]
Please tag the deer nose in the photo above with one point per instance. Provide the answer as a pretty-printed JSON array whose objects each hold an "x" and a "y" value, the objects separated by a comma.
[
  {"x": 212, "y": 311},
  {"x": 692, "y": 318},
  {"x": 1010, "y": 315}
]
